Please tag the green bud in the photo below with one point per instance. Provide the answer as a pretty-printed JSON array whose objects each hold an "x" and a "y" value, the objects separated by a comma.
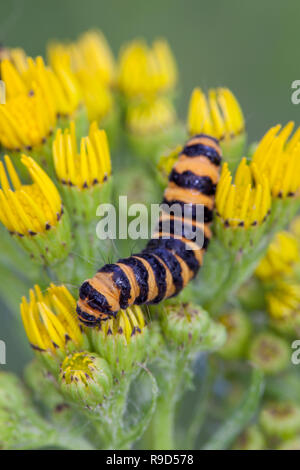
[
  {"x": 185, "y": 325},
  {"x": 189, "y": 326},
  {"x": 214, "y": 338},
  {"x": 238, "y": 328},
  {"x": 269, "y": 352},
  {"x": 85, "y": 378},
  {"x": 281, "y": 420},
  {"x": 250, "y": 439}
]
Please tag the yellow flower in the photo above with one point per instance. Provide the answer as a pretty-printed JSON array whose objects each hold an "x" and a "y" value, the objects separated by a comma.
[
  {"x": 284, "y": 299},
  {"x": 18, "y": 57},
  {"x": 50, "y": 319},
  {"x": 85, "y": 166},
  {"x": 146, "y": 70},
  {"x": 219, "y": 114},
  {"x": 28, "y": 209},
  {"x": 147, "y": 117},
  {"x": 93, "y": 53},
  {"x": 247, "y": 201},
  {"x": 278, "y": 157},
  {"x": 98, "y": 98},
  {"x": 127, "y": 323},
  {"x": 280, "y": 258},
  {"x": 26, "y": 121},
  {"x": 91, "y": 60},
  {"x": 58, "y": 86}
]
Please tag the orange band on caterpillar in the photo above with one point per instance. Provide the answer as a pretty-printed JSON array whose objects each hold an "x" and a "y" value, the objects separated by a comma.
[{"x": 169, "y": 261}]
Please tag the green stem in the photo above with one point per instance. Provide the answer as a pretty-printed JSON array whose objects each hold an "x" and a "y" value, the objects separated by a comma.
[
  {"x": 226, "y": 434},
  {"x": 172, "y": 386},
  {"x": 199, "y": 413},
  {"x": 164, "y": 424}
]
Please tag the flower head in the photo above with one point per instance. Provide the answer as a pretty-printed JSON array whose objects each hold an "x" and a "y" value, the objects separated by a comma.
[
  {"x": 278, "y": 157},
  {"x": 58, "y": 86},
  {"x": 26, "y": 121},
  {"x": 90, "y": 52},
  {"x": 247, "y": 201},
  {"x": 50, "y": 320},
  {"x": 145, "y": 70},
  {"x": 150, "y": 116},
  {"x": 269, "y": 352},
  {"x": 280, "y": 258},
  {"x": 85, "y": 378},
  {"x": 28, "y": 209},
  {"x": 122, "y": 340},
  {"x": 85, "y": 166},
  {"x": 92, "y": 63},
  {"x": 281, "y": 419},
  {"x": 33, "y": 213},
  {"x": 218, "y": 115},
  {"x": 283, "y": 299}
]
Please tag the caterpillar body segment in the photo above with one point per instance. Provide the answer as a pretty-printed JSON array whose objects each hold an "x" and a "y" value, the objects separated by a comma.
[{"x": 169, "y": 261}]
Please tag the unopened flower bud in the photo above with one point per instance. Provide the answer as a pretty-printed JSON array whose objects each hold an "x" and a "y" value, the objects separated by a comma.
[
  {"x": 220, "y": 115},
  {"x": 189, "y": 326},
  {"x": 251, "y": 439},
  {"x": 281, "y": 420},
  {"x": 185, "y": 325},
  {"x": 269, "y": 352},
  {"x": 85, "y": 378}
]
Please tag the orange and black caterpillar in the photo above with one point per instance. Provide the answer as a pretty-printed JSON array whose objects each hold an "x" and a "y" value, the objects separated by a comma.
[{"x": 164, "y": 268}]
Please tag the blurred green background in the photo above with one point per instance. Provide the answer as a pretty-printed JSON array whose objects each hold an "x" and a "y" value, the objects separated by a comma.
[{"x": 251, "y": 47}]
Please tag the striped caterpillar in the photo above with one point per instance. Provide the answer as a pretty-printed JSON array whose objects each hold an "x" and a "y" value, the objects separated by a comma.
[{"x": 166, "y": 265}]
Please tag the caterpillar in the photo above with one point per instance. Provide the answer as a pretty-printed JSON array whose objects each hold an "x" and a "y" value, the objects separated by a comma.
[{"x": 168, "y": 262}]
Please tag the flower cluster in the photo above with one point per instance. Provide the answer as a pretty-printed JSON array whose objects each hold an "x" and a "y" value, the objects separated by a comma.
[{"x": 78, "y": 130}]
